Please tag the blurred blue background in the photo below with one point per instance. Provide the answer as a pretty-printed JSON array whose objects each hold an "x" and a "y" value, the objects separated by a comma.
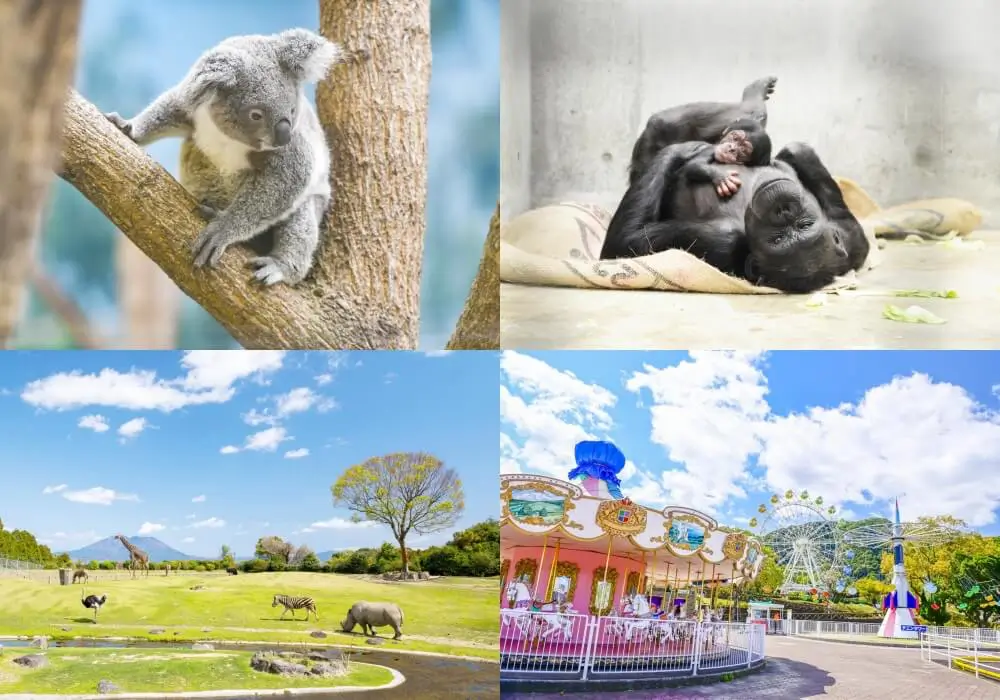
[{"x": 131, "y": 51}]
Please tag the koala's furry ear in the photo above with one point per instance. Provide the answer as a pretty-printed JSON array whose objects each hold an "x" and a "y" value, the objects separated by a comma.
[
  {"x": 307, "y": 55},
  {"x": 217, "y": 69}
]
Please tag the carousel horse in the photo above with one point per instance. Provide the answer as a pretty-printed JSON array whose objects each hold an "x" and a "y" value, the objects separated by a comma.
[
  {"x": 520, "y": 613},
  {"x": 636, "y": 619}
]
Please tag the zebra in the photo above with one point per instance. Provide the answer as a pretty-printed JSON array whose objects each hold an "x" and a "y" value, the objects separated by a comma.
[{"x": 294, "y": 603}]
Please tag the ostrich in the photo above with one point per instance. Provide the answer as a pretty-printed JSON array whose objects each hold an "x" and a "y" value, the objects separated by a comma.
[{"x": 94, "y": 603}]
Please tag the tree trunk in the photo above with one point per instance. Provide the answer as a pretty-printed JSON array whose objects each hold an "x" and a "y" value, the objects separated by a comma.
[
  {"x": 65, "y": 308},
  {"x": 374, "y": 111},
  {"x": 404, "y": 556},
  {"x": 148, "y": 301},
  {"x": 479, "y": 326},
  {"x": 37, "y": 59},
  {"x": 364, "y": 293}
]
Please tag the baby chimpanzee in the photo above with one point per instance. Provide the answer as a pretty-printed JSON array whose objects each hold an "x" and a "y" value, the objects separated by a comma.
[{"x": 745, "y": 142}]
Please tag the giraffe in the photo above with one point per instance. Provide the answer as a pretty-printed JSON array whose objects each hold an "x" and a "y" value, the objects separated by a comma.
[{"x": 136, "y": 555}]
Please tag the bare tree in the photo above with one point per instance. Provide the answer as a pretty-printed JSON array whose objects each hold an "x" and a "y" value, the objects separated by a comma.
[
  {"x": 37, "y": 59},
  {"x": 299, "y": 555},
  {"x": 274, "y": 548},
  {"x": 406, "y": 491}
]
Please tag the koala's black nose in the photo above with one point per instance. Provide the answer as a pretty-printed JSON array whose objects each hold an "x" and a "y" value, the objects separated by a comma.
[{"x": 283, "y": 133}]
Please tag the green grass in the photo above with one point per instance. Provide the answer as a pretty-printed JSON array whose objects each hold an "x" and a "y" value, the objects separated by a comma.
[
  {"x": 149, "y": 670},
  {"x": 455, "y": 616}
]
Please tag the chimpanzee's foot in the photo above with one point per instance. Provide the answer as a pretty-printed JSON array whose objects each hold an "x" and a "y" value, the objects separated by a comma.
[{"x": 760, "y": 90}]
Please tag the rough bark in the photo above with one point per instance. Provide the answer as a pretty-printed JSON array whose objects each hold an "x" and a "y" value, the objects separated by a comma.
[
  {"x": 365, "y": 290},
  {"x": 37, "y": 59},
  {"x": 479, "y": 325},
  {"x": 374, "y": 110}
]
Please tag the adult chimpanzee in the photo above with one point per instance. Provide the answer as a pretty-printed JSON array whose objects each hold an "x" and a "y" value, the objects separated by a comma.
[
  {"x": 698, "y": 121},
  {"x": 786, "y": 224}
]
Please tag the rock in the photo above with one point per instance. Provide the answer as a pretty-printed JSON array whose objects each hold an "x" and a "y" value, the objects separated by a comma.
[
  {"x": 318, "y": 634},
  {"x": 197, "y": 588},
  {"x": 157, "y": 630},
  {"x": 200, "y": 646},
  {"x": 268, "y": 663},
  {"x": 32, "y": 661},
  {"x": 105, "y": 687},
  {"x": 332, "y": 655},
  {"x": 375, "y": 641},
  {"x": 328, "y": 669},
  {"x": 40, "y": 642},
  {"x": 424, "y": 576},
  {"x": 66, "y": 629}
]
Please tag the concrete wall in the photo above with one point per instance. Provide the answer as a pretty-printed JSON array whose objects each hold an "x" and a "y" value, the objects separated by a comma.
[{"x": 902, "y": 96}]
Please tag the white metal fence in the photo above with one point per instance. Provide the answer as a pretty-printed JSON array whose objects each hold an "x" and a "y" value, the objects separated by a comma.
[
  {"x": 978, "y": 654},
  {"x": 580, "y": 647},
  {"x": 20, "y": 569},
  {"x": 820, "y": 628}
]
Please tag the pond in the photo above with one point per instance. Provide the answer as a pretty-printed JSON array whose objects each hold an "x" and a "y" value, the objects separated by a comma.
[{"x": 426, "y": 676}]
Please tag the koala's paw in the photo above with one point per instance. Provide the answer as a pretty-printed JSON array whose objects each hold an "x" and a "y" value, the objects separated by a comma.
[
  {"x": 209, "y": 246},
  {"x": 271, "y": 271},
  {"x": 123, "y": 125}
]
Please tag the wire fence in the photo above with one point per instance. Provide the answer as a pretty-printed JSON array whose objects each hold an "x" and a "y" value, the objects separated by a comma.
[{"x": 13, "y": 568}]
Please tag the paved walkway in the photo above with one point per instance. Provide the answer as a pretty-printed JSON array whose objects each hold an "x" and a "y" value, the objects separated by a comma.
[{"x": 799, "y": 669}]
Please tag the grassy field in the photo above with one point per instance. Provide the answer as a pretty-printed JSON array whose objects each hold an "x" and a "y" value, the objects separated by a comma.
[
  {"x": 80, "y": 670},
  {"x": 448, "y": 615}
]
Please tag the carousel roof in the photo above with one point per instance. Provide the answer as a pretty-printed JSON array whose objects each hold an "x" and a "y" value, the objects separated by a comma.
[{"x": 534, "y": 508}]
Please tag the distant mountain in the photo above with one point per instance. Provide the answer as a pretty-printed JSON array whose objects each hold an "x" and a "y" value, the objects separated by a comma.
[{"x": 110, "y": 549}]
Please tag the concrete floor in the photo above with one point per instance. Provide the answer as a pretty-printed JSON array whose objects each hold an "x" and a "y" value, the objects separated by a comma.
[{"x": 551, "y": 318}]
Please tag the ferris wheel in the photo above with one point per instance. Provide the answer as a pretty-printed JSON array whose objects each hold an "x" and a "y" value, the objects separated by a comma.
[{"x": 806, "y": 541}]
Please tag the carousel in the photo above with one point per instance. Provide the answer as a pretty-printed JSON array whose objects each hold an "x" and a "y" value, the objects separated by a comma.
[{"x": 595, "y": 585}]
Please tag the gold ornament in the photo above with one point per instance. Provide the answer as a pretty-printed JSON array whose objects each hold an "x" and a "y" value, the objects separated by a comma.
[
  {"x": 753, "y": 522},
  {"x": 734, "y": 546},
  {"x": 789, "y": 494},
  {"x": 570, "y": 571},
  {"x": 621, "y": 518},
  {"x": 598, "y": 577}
]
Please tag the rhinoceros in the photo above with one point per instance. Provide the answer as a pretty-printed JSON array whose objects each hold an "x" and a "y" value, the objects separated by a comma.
[{"x": 372, "y": 615}]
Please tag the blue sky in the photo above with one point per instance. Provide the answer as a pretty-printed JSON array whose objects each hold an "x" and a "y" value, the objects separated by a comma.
[
  {"x": 722, "y": 431},
  {"x": 208, "y": 448}
]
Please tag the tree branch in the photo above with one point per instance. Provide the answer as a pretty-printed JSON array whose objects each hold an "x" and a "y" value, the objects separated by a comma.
[
  {"x": 479, "y": 325},
  {"x": 66, "y": 308},
  {"x": 364, "y": 292}
]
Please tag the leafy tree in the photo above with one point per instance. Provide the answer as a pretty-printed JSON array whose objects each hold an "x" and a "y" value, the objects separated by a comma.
[
  {"x": 273, "y": 548},
  {"x": 406, "y": 491},
  {"x": 226, "y": 556},
  {"x": 872, "y": 590},
  {"x": 299, "y": 555},
  {"x": 768, "y": 580},
  {"x": 310, "y": 562}
]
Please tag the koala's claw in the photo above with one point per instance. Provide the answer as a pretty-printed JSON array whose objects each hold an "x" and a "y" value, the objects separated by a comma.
[
  {"x": 208, "y": 247},
  {"x": 123, "y": 125},
  {"x": 269, "y": 271}
]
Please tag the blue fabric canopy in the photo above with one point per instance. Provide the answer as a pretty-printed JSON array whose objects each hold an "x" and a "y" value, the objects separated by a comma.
[{"x": 601, "y": 460}]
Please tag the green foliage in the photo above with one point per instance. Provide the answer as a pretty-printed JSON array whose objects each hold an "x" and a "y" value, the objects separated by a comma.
[
  {"x": 471, "y": 552},
  {"x": 405, "y": 491},
  {"x": 21, "y": 545}
]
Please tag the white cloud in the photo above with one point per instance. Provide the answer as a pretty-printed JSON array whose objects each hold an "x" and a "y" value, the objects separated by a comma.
[
  {"x": 188, "y": 540},
  {"x": 210, "y": 376},
  {"x": 130, "y": 429},
  {"x": 229, "y": 450},
  {"x": 98, "y": 496},
  {"x": 557, "y": 410},
  {"x": 705, "y": 413},
  {"x": 266, "y": 440},
  {"x": 97, "y": 423},
  {"x": 390, "y": 377},
  {"x": 297, "y": 454},
  {"x": 150, "y": 528},
  {"x": 210, "y": 522},
  {"x": 930, "y": 440},
  {"x": 323, "y": 379},
  {"x": 198, "y": 499},
  {"x": 54, "y": 489},
  {"x": 296, "y": 401},
  {"x": 438, "y": 353},
  {"x": 254, "y": 417},
  {"x": 69, "y": 540},
  {"x": 339, "y": 524}
]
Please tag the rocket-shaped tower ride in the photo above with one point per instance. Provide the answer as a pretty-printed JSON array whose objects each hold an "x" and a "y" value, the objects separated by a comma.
[{"x": 900, "y": 605}]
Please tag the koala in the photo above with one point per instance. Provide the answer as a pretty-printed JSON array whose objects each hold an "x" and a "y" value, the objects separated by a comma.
[{"x": 254, "y": 154}]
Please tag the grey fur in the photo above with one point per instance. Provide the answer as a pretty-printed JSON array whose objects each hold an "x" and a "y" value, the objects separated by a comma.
[
  {"x": 250, "y": 172},
  {"x": 372, "y": 615}
]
